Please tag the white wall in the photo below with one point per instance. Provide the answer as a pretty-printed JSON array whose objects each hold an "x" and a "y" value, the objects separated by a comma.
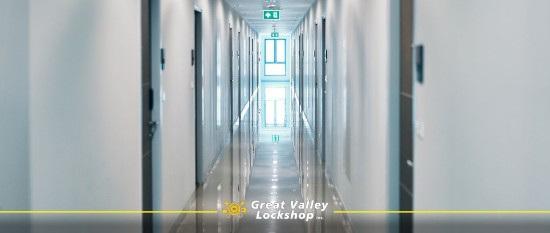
[
  {"x": 484, "y": 106},
  {"x": 71, "y": 79},
  {"x": 85, "y": 109},
  {"x": 176, "y": 163},
  {"x": 14, "y": 113},
  {"x": 175, "y": 166},
  {"x": 362, "y": 90}
]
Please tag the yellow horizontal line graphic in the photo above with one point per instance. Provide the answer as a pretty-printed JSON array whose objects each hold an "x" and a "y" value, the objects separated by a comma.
[
  {"x": 108, "y": 211},
  {"x": 442, "y": 211}
]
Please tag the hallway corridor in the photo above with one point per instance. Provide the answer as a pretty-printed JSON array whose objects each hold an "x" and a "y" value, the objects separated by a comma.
[{"x": 274, "y": 116}]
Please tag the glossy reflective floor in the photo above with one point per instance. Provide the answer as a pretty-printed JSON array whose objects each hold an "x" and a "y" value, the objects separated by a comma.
[
  {"x": 266, "y": 165},
  {"x": 274, "y": 177}
]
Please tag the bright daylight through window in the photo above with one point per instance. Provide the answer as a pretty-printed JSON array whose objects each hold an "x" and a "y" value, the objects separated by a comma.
[{"x": 275, "y": 57}]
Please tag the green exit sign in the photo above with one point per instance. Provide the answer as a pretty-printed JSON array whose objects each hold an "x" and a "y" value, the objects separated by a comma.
[
  {"x": 274, "y": 34},
  {"x": 275, "y": 138},
  {"x": 272, "y": 15}
]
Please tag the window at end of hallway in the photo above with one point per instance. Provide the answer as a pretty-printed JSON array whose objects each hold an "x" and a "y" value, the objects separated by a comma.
[{"x": 275, "y": 57}]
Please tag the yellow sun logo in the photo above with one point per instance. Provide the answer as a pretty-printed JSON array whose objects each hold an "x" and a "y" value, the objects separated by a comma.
[{"x": 234, "y": 209}]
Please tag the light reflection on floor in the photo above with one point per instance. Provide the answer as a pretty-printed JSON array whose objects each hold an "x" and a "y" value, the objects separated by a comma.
[{"x": 274, "y": 177}]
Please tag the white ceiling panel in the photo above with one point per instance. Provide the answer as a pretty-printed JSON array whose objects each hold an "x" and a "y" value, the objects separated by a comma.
[{"x": 292, "y": 11}]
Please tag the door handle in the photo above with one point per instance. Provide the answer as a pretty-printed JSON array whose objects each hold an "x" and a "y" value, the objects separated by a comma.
[{"x": 153, "y": 125}]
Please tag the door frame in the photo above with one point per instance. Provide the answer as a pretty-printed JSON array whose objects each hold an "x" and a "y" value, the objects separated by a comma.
[
  {"x": 324, "y": 80},
  {"x": 406, "y": 137},
  {"x": 147, "y": 94},
  {"x": 199, "y": 101}
]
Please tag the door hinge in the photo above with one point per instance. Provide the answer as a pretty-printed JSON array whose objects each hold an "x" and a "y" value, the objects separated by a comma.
[
  {"x": 193, "y": 57},
  {"x": 162, "y": 59},
  {"x": 418, "y": 57},
  {"x": 151, "y": 99}
]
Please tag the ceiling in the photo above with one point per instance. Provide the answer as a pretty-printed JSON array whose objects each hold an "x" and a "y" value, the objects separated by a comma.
[{"x": 292, "y": 12}]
